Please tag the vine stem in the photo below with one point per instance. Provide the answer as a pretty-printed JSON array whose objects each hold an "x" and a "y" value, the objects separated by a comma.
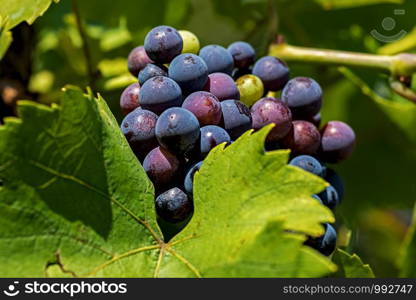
[
  {"x": 85, "y": 47},
  {"x": 397, "y": 65}
]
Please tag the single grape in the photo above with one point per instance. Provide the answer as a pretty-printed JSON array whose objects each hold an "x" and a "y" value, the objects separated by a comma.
[
  {"x": 273, "y": 72},
  {"x": 130, "y": 98},
  {"x": 162, "y": 167},
  {"x": 303, "y": 96},
  {"x": 338, "y": 141},
  {"x": 317, "y": 198},
  {"x": 222, "y": 86},
  {"x": 189, "y": 71},
  {"x": 137, "y": 60},
  {"x": 251, "y": 89},
  {"x": 308, "y": 163},
  {"x": 163, "y": 43},
  {"x": 139, "y": 129},
  {"x": 189, "y": 178},
  {"x": 217, "y": 58},
  {"x": 173, "y": 205},
  {"x": 303, "y": 138},
  {"x": 335, "y": 180},
  {"x": 271, "y": 110},
  {"x": 205, "y": 106},
  {"x": 236, "y": 117},
  {"x": 159, "y": 93},
  {"x": 243, "y": 54},
  {"x": 325, "y": 243},
  {"x": 177, "y": 129},
  {"x": 329, "y": 197},
  {"x": 212, "y": 136},
  {"x": 190, "y": 42},
  {"x": 150, "y": 71}
]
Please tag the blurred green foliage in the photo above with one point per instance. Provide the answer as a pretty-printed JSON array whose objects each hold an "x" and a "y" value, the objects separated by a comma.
[{"x": 380, "y": 183}]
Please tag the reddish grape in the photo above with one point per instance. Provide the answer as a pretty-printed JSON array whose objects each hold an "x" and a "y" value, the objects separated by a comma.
[
  {"x": 161, "y": 166},
  {"x": 137, "y": 60},
  {"x": 205, "y": 106},
  {"x": 303, "y": 138},
  {"x": 338, "y": 140},
  {"x": 130, "y": 98},
  {"x": 222, "y": 86}
]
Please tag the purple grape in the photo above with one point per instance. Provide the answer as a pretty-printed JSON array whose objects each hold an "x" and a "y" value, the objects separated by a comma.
[
  {"x": 338, "y": 141},
  {"x": 236, "y": 117},
  {"x": 130, "y": 98},
  {"x": 150, "y": 71},
  {"x": 212, "y": 136},
  {"x": 303, "y": 96},
  {"x": 273, "y": 72},
  {"x": 177, "y": 130},
  {"x": 271, "y": 110},
  {"x": 173, "y": 206},
  {"x": 217, "y": 58},
  {"x": 189, "y": 71},
  {"x": 329, "y": 197},
  {"x": 243, "y": 54},
  {"x": 205, "y": 106},
  {"x": 163, "y": 43},
  {"x": 159, "y": 93},
  {"x": 139, "y": 129},
  {"x": 137, "y": 60},
  {"x": 303, "y": 138},
  {"x": 222, "y": 86},
  {"x": 189, "y": 178},
  {"x": 161, "y": 166}
]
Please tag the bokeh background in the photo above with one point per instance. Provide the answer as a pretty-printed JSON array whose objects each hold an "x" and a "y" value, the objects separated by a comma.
[{"x": 380, "y": 177}]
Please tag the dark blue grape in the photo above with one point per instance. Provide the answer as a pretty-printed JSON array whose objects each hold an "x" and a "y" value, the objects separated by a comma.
[
  {"x": 189, "y": 71},
  {"x": 222, "y": 86},
  {"x": 243, "y": 54},
  {"x": 162, "y": 167},
  {"x": 309, "y": 164},
  {"x": 338, "y": 141},
  {"x": 163, "y": 43},
  {"x": 137, "y": 60},
  {"x": 173, "y": 206},
  {"x": 212, "y": 136},
  {"x": 139, "y": 129},
  {"x": 326, "y": 243},
  {"x": 271, "y": 110},
  {"x": 317, "y": 198},
  {"x": 303, "y": 138},
  {"x": 236, "y": 117},
  {"x": 303, "y": 96},
  {"x": 177, "y": 129},
  {"x": 150, "y": 71},
  {"x": 273, "y": 72},
  {"x": 159, "y": 93},
  {"x": 205, "y": 106},
  {"x": 189, "y": 178},
  {"x": 130, "y": 98},
  {"x": 335, "y": 180},
  {"x": 217, "y": 58},
  {"x": 329, "y": 197}
]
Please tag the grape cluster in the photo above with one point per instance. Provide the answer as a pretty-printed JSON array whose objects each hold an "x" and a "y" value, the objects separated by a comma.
[{"x": 188, "y": 100}]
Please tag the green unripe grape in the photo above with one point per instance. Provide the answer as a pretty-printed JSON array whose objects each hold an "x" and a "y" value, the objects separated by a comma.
[
  {"x": 190, "y": 42},
  {"x": 251, "y": 89}
]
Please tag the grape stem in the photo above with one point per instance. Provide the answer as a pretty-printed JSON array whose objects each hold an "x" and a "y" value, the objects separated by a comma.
[{"x": 403, "y": 64}]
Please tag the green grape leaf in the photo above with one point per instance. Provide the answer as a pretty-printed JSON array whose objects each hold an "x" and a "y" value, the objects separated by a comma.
[
  {"x": 402, "y": 114},
  {"x": 340, "y": 4},
  {"x": 407, "y": 259},
  {"x": 351, "y": 266},
  {"x": 5, "y": 39},
  {"x": 18, "y": 11},
  {"x": 76, "y": 202}
]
